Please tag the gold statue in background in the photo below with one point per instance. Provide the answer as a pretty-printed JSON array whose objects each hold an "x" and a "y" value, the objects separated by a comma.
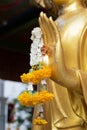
[{"x": 67, "y": 40}]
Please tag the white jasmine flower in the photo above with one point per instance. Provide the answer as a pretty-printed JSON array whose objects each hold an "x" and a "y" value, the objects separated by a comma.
[
  {"x": 37, "y": 43},
  {"x": 30, "y": 86},
  {"x": 43, "y": 82}
]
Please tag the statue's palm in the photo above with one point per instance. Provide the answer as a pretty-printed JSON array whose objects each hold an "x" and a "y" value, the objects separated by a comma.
[{"x": 50, "y": 35}]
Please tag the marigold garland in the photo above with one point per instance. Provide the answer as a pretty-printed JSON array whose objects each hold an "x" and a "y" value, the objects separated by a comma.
[
  {"x": 27, "y": 99},
  {"x": 36, "y": 76},
  {"x": 39, "y": 121}
]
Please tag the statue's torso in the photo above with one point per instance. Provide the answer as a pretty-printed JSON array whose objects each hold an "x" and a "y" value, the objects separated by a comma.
[
  {"x": 62, "y": 113},
  {"x": 70, "y": 28}
]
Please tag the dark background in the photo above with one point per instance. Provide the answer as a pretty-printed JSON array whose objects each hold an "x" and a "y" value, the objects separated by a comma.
[{"x": 17, "y": 19}]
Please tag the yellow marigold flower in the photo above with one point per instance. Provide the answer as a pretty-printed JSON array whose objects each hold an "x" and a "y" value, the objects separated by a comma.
[
  {"x": 36, "y": 76},
  {"x": 39, "y": 121},
  {"x": 27, "y": 99},
  {"x": 35, "y": 99},
  {"x": 45, "y": 96}
]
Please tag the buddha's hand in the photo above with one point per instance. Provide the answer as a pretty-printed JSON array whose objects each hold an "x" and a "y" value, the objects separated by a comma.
[
  {"x": 54, "y": 50},
  {"x": 50, "y": 36}
]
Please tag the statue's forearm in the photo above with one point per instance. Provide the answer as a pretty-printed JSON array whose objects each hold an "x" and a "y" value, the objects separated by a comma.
[{"x": 62, "y": 75}]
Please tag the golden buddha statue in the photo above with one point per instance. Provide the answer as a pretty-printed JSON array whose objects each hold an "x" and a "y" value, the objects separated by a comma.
[{"x": 66, "y": 37}]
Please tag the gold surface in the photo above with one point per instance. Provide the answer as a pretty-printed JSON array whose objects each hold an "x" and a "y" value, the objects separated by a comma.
[{"x": 67, "y": 39}]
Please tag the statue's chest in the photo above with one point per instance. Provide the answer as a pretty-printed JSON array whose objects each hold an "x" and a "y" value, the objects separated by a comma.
[
  {"x": 71, "y": 28},
  {"x": 70, "y": 31}
]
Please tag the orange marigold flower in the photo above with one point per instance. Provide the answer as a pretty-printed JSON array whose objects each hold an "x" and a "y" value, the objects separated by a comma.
[
  {"x": 40, "y": 121},
  {"x": 36, "y": 76},
  {"x": 27, "y": 99},
  {"x": 45, "y": 96}
]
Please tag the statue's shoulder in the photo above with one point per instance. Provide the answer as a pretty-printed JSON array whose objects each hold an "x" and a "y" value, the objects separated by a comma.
[
  {"x": 83, "y": 13},
  {"x": 74, "y": 16},
  {"x": 75, "y": 19},
  {"x": 84, "y": 16}
]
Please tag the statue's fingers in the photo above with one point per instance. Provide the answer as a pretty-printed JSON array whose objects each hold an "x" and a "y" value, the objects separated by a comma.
[
  {"x": 55, "y": 29},
  {"x": 51, "y": 29},
  {"x": 42, "y": 21},
  {"x": 43, "y": 29},
  {"x": 45, "y": 22},
  {"x": 48, "y": 29}
]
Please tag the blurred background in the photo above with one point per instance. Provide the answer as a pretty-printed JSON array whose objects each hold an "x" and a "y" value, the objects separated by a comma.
[{"x": 17, "y": 19}]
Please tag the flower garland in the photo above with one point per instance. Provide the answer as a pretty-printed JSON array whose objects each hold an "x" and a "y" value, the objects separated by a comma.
[
  {"x": 37, "y": 75},
  {"x": 27, "y": 99}
]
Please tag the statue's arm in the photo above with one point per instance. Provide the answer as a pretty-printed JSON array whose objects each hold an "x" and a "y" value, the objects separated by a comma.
[{"x": 60, "y": 74}]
